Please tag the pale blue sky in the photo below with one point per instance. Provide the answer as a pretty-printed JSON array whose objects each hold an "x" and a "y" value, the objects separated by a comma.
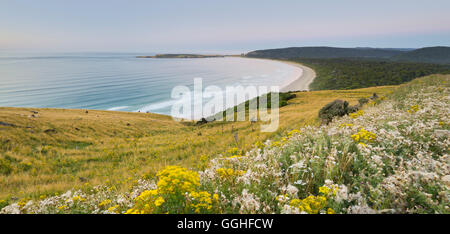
[{"x": 220, "y": 26}]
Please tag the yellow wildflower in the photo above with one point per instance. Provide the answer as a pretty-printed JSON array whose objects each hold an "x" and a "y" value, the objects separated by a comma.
[
  {"x": 413, "y": 109},
  {"x": 225, "y": 173},
  {"x": 159, "y": 201},
  {"x": 356, "y": 114},
  {"x": 364, "y": 136},
  {"x": 113, "y": 208},
  {"x": 324, "y": 190},
  {"x": 343, "y": 125},
  {"x": 104, "y": 203},
  {"x": 294, "y": 132}
]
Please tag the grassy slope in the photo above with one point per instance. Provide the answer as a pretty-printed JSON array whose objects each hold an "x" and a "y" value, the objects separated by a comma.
[
  {"x": 117, "y": 147},
  {"x": 401, "y": 168}
]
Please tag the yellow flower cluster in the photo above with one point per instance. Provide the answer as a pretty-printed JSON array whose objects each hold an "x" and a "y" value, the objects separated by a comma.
[
  {"x": 202, "y": 201},
  {"x": 311, "y": 204},
  {"x": 177, "y": 192},
  {"x": 344, "y": 125},
  {"x": 233, "y": 151},
  {"x": 234, "y": 156},
  {"x": 276, "y": 144},
  {"x": 78, "y": 198},
  {"x": 177, "y": 180},
  {"x": 104, "y": 203},
  {"x": 328, "y": 191},
  {"x": 225, "y": 173},
  {"x": 22, "y": 202},
  {"x": 283, "y": 141},
  {"x": 259, "y": 145},
  {"x": 364, "y": 136},
  {"x": 146, "y": 203},
  {"x": 114, "y": 209},
  {"x": 294, "y": 132},
  {"x": 356, "y": 114},
  {"x": 413, "y": 109},
  {"x": 314, "y": 204}
]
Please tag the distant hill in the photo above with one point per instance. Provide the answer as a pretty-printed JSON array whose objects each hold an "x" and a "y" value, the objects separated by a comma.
[
  {"x": 351, "y": 68},
  {"x": 438, "y": 54},
  {"x": 181, "y": 56},
  {"x": 325, "y": 52}
]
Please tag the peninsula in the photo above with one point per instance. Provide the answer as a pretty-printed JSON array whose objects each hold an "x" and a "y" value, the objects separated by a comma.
[{"x": 181, "y": 56}]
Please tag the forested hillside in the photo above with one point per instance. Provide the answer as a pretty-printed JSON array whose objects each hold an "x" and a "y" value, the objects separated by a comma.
[
  {"x": 324, "y": 52},
  {"x": 357, "y": 73},
  {"x": 350, "y": 68},
  {"x": 438, "y": 54}
]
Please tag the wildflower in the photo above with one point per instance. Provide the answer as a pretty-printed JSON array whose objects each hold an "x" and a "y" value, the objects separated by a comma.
[
  {"x": 364, "y": 136},
  {"x": 22, "y": 202},
  {"x": 113, "y": 209},
  {"x": 159, "y": 201},
  {"x": 233, "y": 151},
  {"x": 234, "y": 157},
  {"x": 78, "y": 198},
  {"x": 413, "y": 109},
  {"x": 275, "y": 144},
  {"x": 294, "y": 132},
  {"x": 104, "y": 203},
  {"x": 225, "y": 173},
  {"x": 330, "y": 211},
  {"x": 324, "y": 190},
  {"x": 177, "y": 180},
  {"x": 311, "y": 204},
  {"x": 201, "y": 201},
  {"x": 343, "y": 125},
  {"x": 259, "y": 145},
  {"x": 356, "y": 114}
]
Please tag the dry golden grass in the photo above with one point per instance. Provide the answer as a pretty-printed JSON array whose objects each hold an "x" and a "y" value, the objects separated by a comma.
[{"x": 103, "y": 147}]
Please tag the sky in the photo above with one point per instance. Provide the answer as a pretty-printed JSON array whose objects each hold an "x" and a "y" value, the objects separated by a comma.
[{"x": 220, "y": 26}]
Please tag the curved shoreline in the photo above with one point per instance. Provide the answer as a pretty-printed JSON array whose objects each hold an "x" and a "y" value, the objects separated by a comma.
[{"x": 302, "y": 82}]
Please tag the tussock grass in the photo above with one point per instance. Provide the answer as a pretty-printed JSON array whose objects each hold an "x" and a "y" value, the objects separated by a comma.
[{"x": 60, "y": 149}]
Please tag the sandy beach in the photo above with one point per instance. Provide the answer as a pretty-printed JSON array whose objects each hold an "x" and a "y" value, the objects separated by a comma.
[
  {"x": 306, "y": 77},
  {"x": 303, "y": 81}
]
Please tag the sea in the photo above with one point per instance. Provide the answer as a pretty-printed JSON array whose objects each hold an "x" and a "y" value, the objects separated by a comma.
[{"x": 122, "y": 82}]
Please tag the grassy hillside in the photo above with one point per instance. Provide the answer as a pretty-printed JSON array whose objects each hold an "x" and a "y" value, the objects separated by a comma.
[
  {"x": 391, "y": 157},
  {"x": 60, "y": 149},
  {"x": 438, "y": 54}
]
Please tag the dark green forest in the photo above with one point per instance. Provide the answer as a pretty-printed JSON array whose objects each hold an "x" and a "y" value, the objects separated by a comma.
[
  {"x": 360, "y": 73},
  {"x": 351, "y": 68}
]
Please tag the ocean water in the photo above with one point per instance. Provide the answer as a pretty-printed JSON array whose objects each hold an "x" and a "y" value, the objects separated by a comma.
[{"x": 122, "y": 82}]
